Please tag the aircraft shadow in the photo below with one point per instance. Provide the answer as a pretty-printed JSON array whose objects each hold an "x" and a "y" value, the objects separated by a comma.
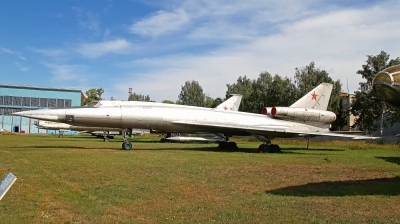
[
  {"x": 320, "y": 149},
  {"x": 378, "y": 186},
  {"x": 203, "y": 149},
  {"x": 395, "y": 160}
]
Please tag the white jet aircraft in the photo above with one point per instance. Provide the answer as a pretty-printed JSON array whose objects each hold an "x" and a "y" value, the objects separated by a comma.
[{"x": 308, "y": 117}]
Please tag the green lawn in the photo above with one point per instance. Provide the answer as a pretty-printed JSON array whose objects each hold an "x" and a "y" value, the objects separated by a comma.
[{"x": 81, "y": 179}]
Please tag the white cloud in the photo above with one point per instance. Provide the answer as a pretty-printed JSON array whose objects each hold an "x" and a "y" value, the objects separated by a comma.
[
  {"x": 87, "y": 20},
  {"x": 160, "y": 23},
  {"x": 337, "y": 40},
  {"x": 21, "y": 67},
  {"x": 49, "y": 52},
  {"x": 93, "y": 50},
  {"x": 8, "y": 51},
  {"x": 63, "y": 72}
]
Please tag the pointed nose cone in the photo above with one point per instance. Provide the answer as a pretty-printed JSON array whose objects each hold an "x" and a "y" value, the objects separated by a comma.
[{"x": 48, "y": 115}]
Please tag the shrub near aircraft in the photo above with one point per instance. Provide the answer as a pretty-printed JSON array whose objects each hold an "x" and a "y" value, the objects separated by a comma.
[{"x": 307, "y": 118}]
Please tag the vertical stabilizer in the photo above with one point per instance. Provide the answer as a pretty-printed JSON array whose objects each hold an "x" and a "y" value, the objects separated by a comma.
[
  {"x": 232, "y": 103},
  {"x": 318, "y": 98}
]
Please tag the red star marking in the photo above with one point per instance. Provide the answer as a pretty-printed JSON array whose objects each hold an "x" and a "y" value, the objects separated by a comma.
[
  {"x": 314, "y": 96},
  {"x": 225, "y": 108}
]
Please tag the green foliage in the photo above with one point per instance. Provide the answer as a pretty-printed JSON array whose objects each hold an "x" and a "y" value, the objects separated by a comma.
[
  {"x": 139, "y": 97},
  {"x": 217, "y": 101},
  {"x": 265, "y": 91},
  {"x": 192, "y": 94},
  {"x": 244, "y": 87},
  {"x": 168, "y": 102},
  {"x": 94, "y": 94},
  {"x": 367, "y": 108},
  {"x": 208, "y": 101}
]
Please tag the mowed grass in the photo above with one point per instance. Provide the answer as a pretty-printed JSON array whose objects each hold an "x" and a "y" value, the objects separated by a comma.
[{"x": 81, "y": 179}]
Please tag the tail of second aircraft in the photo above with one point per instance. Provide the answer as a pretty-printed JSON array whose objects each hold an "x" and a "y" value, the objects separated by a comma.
[
  {"x": 318, "y": 98},
  {"x": 232, "y": 103},
  {"x": 310, "y": 108}
]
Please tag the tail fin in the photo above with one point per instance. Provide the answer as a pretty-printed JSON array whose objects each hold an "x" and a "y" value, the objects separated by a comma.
[
  {"x": 318, "y": 98},
  {"x": 232, "y": 103}
]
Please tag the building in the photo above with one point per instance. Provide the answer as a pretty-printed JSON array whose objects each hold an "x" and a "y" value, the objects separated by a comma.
[
  {"x": 350, "y": 118},
  {"x": 15, "y": 98}
]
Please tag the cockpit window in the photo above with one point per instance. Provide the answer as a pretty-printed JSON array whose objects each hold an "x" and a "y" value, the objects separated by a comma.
[{"x": 93, "y": 104}]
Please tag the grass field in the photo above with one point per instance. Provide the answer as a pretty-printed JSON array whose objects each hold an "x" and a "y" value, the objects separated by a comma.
[{"x": 81, "y": 179}]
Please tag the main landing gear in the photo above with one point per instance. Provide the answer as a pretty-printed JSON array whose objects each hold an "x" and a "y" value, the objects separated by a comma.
[
  {"x": 267, "y": 146},
  {"x": 126, "y": 144},
  {"x": 226, "y": 144}
]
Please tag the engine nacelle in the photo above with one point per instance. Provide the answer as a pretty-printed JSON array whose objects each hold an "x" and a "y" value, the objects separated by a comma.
[{"x": 300, "y": 114}]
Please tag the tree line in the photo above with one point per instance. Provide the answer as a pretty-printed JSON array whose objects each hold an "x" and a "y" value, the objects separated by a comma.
[{"x": 273, "y": 90}]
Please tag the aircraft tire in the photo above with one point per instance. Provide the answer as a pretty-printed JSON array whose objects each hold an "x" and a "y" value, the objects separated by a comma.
[
  {"x": 275, "y": 148},
  {"x": 232, "y": 145},
  {"x": 261, "y": 148},
  {"x": 223, "y": 145},
  {"x": 127, "y": 145}
]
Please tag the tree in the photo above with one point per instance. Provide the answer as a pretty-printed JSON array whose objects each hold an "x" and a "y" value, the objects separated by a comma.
[
  {"x": 94, "y": 94},
  {"x": 266, "y": 91},
  {"x": 367, "y": 109},
  {"x": 192, "y": 94},
  {"x": 139, "y": 97},
  {"x": 243, "y": 86},
  {"x": 217, "y": 101},
  {"x": 208, "y": 101},
  {"x": 168, "y": 101}
]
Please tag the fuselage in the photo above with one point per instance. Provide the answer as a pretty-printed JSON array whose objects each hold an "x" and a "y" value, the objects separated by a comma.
[{"x": 159, "y": 117}]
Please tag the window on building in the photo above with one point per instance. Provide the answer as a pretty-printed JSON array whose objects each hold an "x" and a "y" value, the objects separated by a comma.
[
  {"x": 52, "y": 103},
  {"x": 17, "y": 101},
  {"x": 43, "y": 102},
  {"x": 68, "y": 103},
  {"x": 7, "y": 111},
  {"x": 26, "y": 101},
  {"x": 16, "y": 110},
  {"x": 60, "y": 103},
  {"x": 1, "y": 110},
  {"x": 7, "y": 100},
  {"x": 34, "y": 102},
  {"x": 1, "y": 100}
]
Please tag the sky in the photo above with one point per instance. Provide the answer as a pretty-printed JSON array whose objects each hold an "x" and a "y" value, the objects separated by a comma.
[{"x": 154, "y": 47}]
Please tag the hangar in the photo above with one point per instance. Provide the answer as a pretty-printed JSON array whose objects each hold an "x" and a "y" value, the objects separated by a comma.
[{"x": 15, "y": 98}]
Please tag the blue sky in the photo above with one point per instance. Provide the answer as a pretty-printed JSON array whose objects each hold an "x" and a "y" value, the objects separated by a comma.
[{"x": 155, "y": 46}]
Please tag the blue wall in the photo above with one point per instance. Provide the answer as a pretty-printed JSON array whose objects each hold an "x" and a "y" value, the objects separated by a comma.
[{"x": 14, "y": 98}]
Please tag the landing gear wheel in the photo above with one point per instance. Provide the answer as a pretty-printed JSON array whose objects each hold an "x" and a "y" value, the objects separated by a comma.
[
  {"x": 271, "y": 148},
  {"x": 232, "y": 145},
  {"x": 227, "y": 145},
  {"x": 275, "y": 148},
  {"x": 223, "y": 145},
  {"x": 127, "y": 145}
]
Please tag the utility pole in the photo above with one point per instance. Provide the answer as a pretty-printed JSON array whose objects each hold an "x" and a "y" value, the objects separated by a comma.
[{"x": 130, "y": 93}]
